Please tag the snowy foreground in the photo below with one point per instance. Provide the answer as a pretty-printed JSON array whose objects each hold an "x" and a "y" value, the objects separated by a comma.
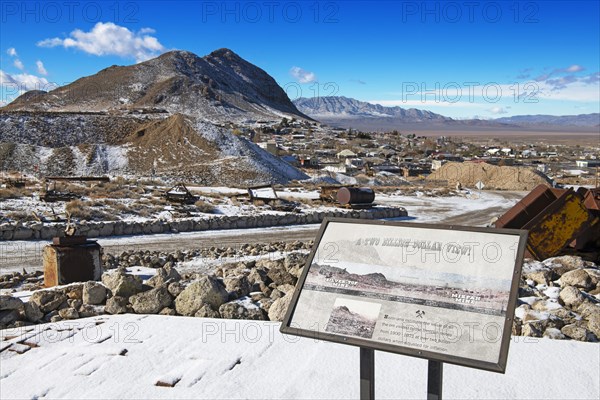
[{"x": 126, "y": 356}]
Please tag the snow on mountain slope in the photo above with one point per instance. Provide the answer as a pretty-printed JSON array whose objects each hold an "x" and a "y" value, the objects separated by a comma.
[{"x": 163, "y": 116}]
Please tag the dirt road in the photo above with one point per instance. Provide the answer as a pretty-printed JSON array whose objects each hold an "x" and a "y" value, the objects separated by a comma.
[{"x": 456, "y": 211}]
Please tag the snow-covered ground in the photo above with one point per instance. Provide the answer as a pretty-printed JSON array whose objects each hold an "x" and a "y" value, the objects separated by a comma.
[{"x": 126, "y": 356}]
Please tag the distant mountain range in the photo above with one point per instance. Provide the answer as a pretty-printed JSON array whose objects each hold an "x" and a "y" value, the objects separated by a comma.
[
  {"x": 587, "y": 120},
  {"x": 351, "y": 113}
]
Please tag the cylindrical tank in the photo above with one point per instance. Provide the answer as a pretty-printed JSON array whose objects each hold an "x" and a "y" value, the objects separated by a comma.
[{"x": 351, "y": 195}]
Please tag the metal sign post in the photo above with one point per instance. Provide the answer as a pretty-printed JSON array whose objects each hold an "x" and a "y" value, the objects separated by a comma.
[
  {"x": 434, "y": 380},
  {"x": 367, "y": 374}
]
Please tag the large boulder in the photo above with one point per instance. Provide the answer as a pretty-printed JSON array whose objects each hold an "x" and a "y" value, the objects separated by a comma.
[
  {"x": 175, "y": 288},
  {"x": 571, "y": 296},
  {"x": 152, "y": 301},
  {"x": 294, "y": 263},
  {"x": 279, "y": 307},
  {"x": 117, "y": 305},
  {"x": 541, "y": 277},
  {"x": 68, "y": 313},
  {"x": 33, "y": 312},
  {"x": 122, "y": 284},
  {"x": 574, "y": 331},
  {"x": 280, "y": 276},
  {"x": 7, "y": 317},
  {"x": 164, "y": 274},
  {"x": 207, "y": 290},
  {"x": 594, "y": 324},
  {"x": 207, "y": 311},
  {"x": 577, "y": 278},
  {"x": 93, "y": 293},
  {"x": 238, "y": 286},
  {"x": 242, "y": 310},
  {"x": 10, "y": 303},
  {"x": 48, "y": 300}
]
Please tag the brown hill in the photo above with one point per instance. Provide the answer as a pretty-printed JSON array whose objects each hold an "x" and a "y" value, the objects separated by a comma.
[
  {"x": 492, "y": 176},
  {"x": 180, "y": 146}
]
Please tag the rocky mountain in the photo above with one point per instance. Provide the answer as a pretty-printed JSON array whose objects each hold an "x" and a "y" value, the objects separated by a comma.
[
  {"x": 218, "y": 87},
  {"x": 340, "y": 107},
  {"x": 168, "y": 116},
  {"x": 584, "y": 120}
]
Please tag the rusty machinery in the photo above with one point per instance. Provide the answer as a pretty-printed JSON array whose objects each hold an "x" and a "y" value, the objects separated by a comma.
[
  {"x": 180, "y": 194},
  {"x": 71, "y": 259},
  {"x": 268, "y": 195},
  {"x": 556, "y": 218},
  {"x": 348, "y": 196}
]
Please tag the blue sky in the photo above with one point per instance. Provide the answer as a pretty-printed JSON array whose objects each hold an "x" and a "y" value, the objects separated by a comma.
[{"x": 461, "y": 59}]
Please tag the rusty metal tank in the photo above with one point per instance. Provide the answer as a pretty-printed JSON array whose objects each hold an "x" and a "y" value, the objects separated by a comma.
[
  {"x": 352, "y": 195},
  {"x": 72, "y": 259}
]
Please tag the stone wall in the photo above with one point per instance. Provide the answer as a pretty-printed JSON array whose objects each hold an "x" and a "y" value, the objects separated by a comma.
[{"x": 38, "y": 230}]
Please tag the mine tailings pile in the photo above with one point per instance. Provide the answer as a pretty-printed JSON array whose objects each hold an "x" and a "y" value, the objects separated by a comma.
[
  {"x": 557, "y": 218},
  {"x": 492, "y": 176}
]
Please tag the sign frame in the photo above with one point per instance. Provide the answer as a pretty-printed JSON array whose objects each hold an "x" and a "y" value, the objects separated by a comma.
[{"x": 500, "y": 366}]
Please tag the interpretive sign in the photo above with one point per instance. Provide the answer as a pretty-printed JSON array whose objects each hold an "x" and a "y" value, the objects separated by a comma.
[{"x": 445, "y": 293}]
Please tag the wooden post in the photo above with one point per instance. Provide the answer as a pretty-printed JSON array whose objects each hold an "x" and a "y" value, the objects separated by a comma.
[
  {"x": 434, "y": 380},
  {"x": 367, "y": 374}
]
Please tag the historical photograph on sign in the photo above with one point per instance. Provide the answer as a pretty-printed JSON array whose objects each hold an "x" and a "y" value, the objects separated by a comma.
[
  {"x": 351, "y": 317},
  {"x": 434, "y": 290}
]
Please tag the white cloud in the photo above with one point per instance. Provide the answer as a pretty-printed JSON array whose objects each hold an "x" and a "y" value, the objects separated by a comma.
[
  {"x": 111, "y": 39},
  {"x": 40, "y": 67},
  {"x": 497, "y": 110},
  {"x": 574, "y": 68},
  {"x": 19, "y": 64},
  {"x": 20, "y": 83},
  {"x": 11, "y": 52},
  {"x": 302, "y": 76}
]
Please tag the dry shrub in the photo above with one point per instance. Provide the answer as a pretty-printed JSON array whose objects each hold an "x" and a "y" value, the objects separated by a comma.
[
  {"x": 79, "y": 210},
  {"x": 20, "y": 216},
  {"x": 73, "y": 188},
  {"x": 145, "y": 212},
  {"x": 11, "y": 193},
  {"x": 204, "y": 207},
  {"x": 259, "y": 203},
  {"x": 120, "y": 207},
  {"x": 157, "y": 201}
]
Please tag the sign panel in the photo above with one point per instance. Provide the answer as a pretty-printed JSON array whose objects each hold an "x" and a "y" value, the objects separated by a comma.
[{"x": 444, "y": 293}]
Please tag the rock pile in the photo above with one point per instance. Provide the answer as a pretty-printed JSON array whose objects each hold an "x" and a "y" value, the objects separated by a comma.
[
  {"x": 26, "y": 280},
  {"x": 559, "y": 298},
  {"x": 259, "y": 290},
  {"x": 157, "y": 259}
]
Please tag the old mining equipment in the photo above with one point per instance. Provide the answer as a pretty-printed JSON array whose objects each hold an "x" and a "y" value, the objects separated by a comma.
[
  {"x": 71, "y": 259},
  {"x": 328, "y": 193},
  {"x": 268, "y": 195},
  {"x": 555, "y": 218},
  {"x": 356, "y": 197},
  {"x": 180, "y": 194}
]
